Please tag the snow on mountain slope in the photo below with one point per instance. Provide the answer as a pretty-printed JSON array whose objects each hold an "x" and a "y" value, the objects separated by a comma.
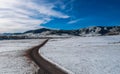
[{"x": 85, "y": 55}]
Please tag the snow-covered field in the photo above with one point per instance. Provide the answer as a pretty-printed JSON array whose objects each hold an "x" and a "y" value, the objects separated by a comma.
[
  {"x": 85, "y": 55},
  {"x": 13, "y": 58}
]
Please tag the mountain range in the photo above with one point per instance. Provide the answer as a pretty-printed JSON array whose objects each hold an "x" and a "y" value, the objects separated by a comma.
[{"x": 90, "y": 31}]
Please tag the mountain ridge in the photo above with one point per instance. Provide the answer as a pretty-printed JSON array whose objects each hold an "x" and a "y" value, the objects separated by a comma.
[
  {"x": 95, "y": 30},
  {"x": 89, "y": 31}
]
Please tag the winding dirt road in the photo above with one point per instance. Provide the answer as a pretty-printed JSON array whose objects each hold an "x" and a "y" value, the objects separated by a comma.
[{"x": 45, "y": 66}]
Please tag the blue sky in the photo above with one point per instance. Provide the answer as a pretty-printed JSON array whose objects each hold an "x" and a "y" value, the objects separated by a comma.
[
  {"x": 23, "y": 15},
  {"x": 84, "y": 13}
]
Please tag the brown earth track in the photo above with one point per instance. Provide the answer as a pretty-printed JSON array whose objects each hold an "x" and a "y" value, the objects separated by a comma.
[{"x": 46, "y": 67}]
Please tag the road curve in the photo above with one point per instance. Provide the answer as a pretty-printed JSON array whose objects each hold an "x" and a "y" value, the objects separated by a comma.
[{"x": 45, "y": 66}]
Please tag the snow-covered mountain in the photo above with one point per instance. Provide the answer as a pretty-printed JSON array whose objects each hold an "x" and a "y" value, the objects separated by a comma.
[
  {"x": 90, "y": 31},
  {"x": 44, "y": 32}
]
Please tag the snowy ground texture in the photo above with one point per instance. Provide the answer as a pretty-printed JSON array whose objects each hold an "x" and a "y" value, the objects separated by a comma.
[
  {"x": 13, "y": 58},
  {"x": 85, "y": 55}
]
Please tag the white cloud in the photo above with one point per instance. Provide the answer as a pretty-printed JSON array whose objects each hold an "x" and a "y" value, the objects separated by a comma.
[
  {"x": 74, "y": 21},
  {"x": 67, "y": 6},
  {"x": 19, "y": 15}
]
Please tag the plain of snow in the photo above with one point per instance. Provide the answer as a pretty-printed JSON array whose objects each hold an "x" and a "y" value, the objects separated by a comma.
[
  {"x": 13, "y": 58},
  {"x": 85, "y": 55}
]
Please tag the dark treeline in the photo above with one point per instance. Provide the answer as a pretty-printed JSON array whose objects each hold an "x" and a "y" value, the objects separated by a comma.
[
  {"x": 12, "y": 37},
  {"x": 25, "y": 37}
]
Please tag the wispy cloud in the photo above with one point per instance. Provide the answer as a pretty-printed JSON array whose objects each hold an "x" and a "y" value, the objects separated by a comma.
[
  {"x": 20, "y": 15},
  {"x": 66, "y": 5},
  {"x": 70, "y": 3},
  {"x": 74, "y": 21}
]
